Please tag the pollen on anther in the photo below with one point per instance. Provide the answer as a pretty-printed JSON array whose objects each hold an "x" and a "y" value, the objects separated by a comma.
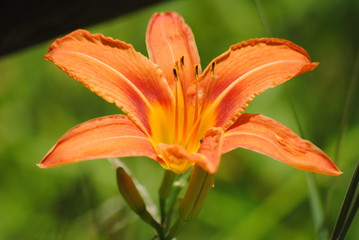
[
  {"x": 212, "y": 67},
  {"x": 175, "y": 73},
  {"x": 196, "y": 69},
  {"x": 182, "y": 62}
]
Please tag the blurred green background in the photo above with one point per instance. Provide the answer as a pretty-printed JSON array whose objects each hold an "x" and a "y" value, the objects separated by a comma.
[{"x": 254, "y": 197}]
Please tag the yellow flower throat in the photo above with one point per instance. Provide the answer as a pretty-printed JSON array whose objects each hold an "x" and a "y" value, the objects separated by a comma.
[{"x": 186, "y": 122}]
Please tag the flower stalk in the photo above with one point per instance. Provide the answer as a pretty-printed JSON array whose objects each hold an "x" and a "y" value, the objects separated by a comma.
[
  {"x": 349, "y": 208},
  {"x": 164, "y": 192},
  {"x": 199, "y": 185}
]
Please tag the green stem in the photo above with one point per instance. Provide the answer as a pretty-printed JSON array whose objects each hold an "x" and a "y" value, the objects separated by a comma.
[
  {"x": 315, "y": 201},
  {"x": 348, "y": 105},
  {"x": 349, "y": 219},
  {"x": 180, "y": 183},
  {"x": 132, "y": 196},
  {"x": 176, "y": 228},
  {"x": 263, "y": 18},
  {"x": 164, "y": 192},
  {"x": 200, "y": 184},
  {"x": 344, "y": 220},
  {"x": 316, "y": 207}
]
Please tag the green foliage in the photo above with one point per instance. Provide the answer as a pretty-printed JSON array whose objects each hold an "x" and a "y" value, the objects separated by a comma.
[{"x": 254, "y": 197}]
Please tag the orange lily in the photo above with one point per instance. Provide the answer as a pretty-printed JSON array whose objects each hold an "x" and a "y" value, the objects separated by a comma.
[{"x": 177, "y": 114}]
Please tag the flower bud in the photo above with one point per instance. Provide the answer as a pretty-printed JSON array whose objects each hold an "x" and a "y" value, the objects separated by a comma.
[
  {"x": 132, "y": 196},
  {"x": 199, "y": 185}
]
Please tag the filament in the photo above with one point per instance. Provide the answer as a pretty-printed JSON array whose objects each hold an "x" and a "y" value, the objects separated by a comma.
[
  {"x": 175, "y": 73},
  {"x": 202, "y": 113},
  {"x": 196, "y": 97},
  {"x": 184, "y": 95}
]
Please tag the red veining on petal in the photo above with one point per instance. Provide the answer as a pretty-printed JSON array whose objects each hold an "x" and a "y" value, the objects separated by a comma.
[
  {"x": 246, "y": 70},
  {"x": 115, "y": 71}
]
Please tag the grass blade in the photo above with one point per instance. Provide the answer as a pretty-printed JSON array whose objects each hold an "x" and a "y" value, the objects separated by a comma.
[
  {"x": 348, "y": 106},
  {"x": 314, "y": 197},
  {"x": 344, "y": 220}
]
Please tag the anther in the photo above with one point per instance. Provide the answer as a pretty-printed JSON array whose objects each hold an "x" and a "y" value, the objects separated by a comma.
[
  {"x": 182, "y": 62},
  {"x": 175, "y": 73},
  {"x": 212, "y": 67},
  {"x": 196, "y": 70}
]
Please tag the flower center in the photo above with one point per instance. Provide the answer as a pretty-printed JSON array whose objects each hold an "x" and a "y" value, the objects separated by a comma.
[{"x": 186, "y": 124}]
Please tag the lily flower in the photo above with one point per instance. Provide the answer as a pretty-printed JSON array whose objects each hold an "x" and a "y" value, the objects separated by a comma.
[{"x": 175, "y": 113}]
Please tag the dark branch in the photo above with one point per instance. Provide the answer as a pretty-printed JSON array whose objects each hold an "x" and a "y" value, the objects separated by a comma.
[{"x": 26, "y": 23}]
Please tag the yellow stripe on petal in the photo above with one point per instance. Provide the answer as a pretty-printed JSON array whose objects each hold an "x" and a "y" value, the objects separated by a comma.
[
  {"x": 248, "y": 69},
  {"x": 115, "y": 71}
]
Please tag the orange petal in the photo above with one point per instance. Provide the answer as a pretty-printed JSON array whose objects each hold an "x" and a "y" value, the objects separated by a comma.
[
  {"x": 246, "y": 70},
  {"x": 175, "y": 158},
  {"x": 115, "y": 71},
  {"x": 168, "y": 39},
  {"x": 178, "y": 160},
  {"x": 110, "y": 136},
  {"x": 264, "y": 135},
  {"x": 211, "y": 148}
]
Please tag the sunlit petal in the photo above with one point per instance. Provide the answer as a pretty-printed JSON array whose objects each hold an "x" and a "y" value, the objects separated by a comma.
[
  {"x": 264, "y": 135},
  {"x": 211, "y": 148},
  {"x": 168, "y": 39},
  {"x": 246, "y": 70},
  {"x": 110, "y": 136},
  {"x": 115, "y": 71}
]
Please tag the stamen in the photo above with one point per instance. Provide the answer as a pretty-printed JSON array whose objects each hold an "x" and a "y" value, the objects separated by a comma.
[
  {"x": 182, "y": 62},
  {"x": 212, "y": 67},
  {"x": 184, "y": 85},
  {"x": 175, "y": 73},
  {"x": 196, "y": 69},
  {"x": 196, "y": 98},
  {"x": 208, "y": 92},
  {"x": 192, "y": 136},
  {"x": 210, "y": 84}
]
